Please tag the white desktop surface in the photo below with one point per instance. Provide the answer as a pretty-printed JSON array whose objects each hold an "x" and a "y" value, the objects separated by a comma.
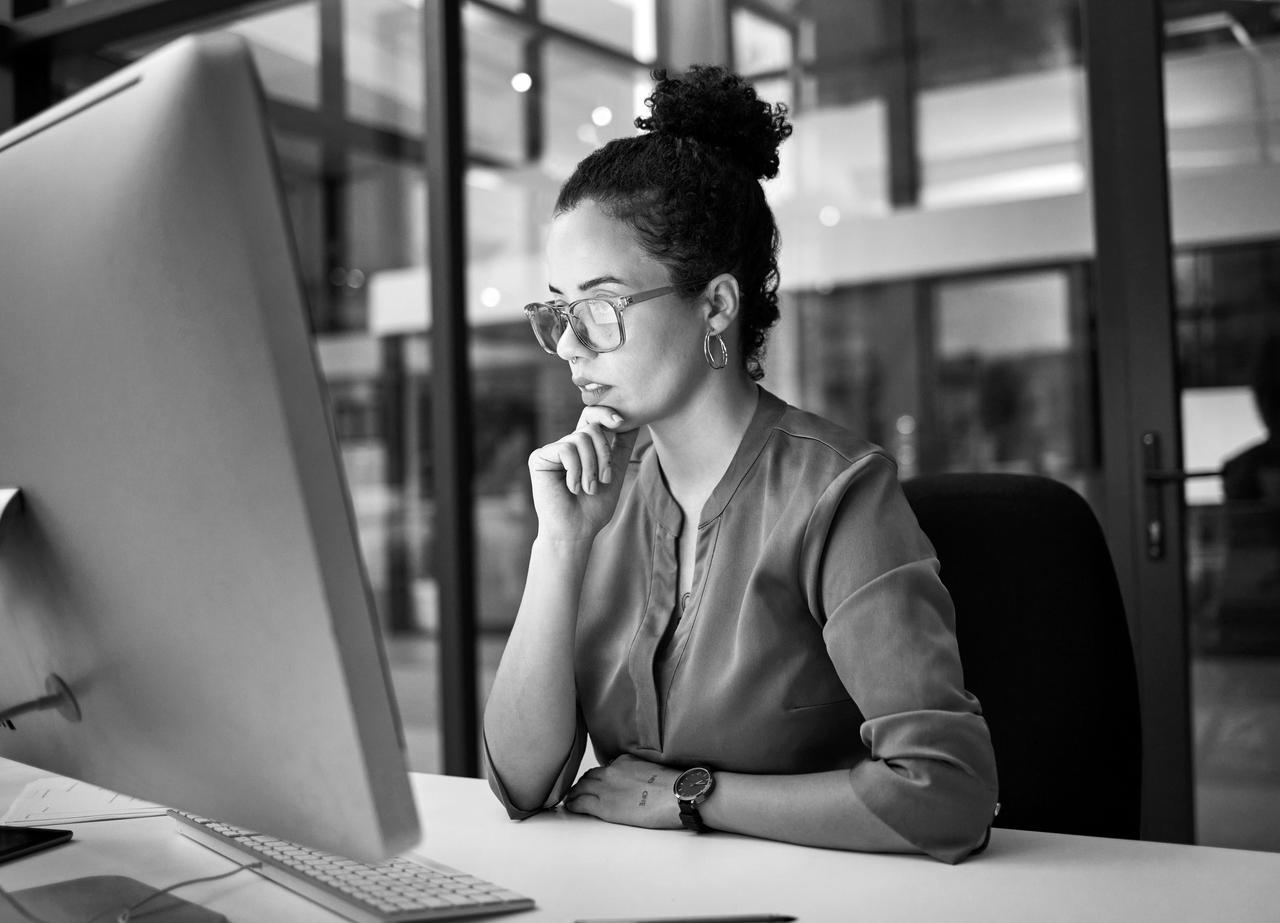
[{"x": 578, "y": 867}]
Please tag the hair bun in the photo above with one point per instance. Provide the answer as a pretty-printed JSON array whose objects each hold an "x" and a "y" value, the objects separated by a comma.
[{"x": 714, "y": 106}]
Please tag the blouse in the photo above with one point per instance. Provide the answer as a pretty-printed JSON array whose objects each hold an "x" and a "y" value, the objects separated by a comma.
[{"x": 817, "y": 636}]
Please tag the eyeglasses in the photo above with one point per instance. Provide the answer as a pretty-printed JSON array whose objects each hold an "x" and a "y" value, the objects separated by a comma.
[{"x": 596, "y": 322}]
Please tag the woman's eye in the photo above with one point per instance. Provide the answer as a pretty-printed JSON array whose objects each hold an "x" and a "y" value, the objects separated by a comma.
[{"x": 601, "y": 312}]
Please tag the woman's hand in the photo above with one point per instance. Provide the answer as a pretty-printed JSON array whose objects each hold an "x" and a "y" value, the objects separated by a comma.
[
  {"x": 577, "y": 480},
  {"x": 627, "y": 791}
]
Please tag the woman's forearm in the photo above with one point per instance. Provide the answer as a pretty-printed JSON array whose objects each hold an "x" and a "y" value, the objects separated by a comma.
[
  {"x": 870, "y": 808},
  {"x": 530, "y": 716},
  {"x": 817, "y": 809}
]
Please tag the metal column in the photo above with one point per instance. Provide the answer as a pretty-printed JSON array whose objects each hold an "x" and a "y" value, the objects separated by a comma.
[
  {"x": 450, "y": 384},
  {"x": 1137, "y": 368}
]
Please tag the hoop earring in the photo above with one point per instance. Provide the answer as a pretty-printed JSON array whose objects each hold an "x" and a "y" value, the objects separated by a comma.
[{"x": 716, "y": 362}]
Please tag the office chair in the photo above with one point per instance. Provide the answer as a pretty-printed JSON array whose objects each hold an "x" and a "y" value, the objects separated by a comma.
[{"x": 1045, "y": 647}]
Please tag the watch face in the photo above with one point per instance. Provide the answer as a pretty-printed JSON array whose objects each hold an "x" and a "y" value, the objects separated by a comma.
[{"x": 692, "y": 783}]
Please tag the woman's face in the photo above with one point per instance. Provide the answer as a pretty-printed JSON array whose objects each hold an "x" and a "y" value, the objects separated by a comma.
[{"x": 659, "y": 366}]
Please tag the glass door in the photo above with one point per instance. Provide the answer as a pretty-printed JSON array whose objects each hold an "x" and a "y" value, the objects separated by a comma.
[
  {"x": 976, "y": 272},
  {"x": 1229, "y": 357},
  {"x": 1222, "y": 79},
  {"x": 1222, "y": 112}
]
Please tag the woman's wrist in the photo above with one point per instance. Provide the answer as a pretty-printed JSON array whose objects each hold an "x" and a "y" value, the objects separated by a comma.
[{"x": 570, "y": 547}]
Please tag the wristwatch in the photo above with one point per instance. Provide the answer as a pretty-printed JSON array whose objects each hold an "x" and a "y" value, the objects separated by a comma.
[{"x": 692, "y": 788}]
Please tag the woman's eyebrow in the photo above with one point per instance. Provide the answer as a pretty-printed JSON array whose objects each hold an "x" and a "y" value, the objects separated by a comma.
[
  {"x": 600, "y": 280},
  {"x": 591, "y": 283}
]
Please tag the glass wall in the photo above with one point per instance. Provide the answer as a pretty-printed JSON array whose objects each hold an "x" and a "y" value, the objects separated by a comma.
[
  {"x": 1222, "y": 91},
  {"x": 1229, "y": 340},
  {"x": 935, "y": 239}
]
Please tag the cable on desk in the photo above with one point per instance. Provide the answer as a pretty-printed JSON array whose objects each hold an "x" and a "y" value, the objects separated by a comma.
[{"x": 125, "y": 914}]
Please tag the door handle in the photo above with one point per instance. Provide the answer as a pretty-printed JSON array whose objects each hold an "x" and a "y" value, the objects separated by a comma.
[
  {"x": 1175, "y": 475},
  {"x": 1154, "y": 477}
]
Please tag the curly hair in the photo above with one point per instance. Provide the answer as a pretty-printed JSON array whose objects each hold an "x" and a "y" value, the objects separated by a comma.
[{"x": 691, "y": 189}]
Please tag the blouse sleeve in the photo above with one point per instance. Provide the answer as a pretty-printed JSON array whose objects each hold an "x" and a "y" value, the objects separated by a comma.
[
  {"x": 563, "y": 781},
  {"x": 889, "y": 627}
]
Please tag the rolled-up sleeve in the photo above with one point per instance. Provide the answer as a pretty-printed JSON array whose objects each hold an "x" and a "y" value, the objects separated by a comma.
[
  {"x": 889, "y": 628},
  {"x": 563, "y": 780}
]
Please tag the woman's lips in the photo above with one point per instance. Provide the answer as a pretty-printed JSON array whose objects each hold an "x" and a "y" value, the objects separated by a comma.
[{"x": 592, "y": 391}]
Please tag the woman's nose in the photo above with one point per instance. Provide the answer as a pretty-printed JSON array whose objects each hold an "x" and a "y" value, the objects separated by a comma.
[{"x": 568, "y": 348}]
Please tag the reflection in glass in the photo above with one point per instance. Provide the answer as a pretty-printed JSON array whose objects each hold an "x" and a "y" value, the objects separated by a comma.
[
  {"x": 978, "y": 374},
  {"x": 1228, "y": 322},
  {"x": 1009, "y": 376},
  {"x": 860, "y": 365}
]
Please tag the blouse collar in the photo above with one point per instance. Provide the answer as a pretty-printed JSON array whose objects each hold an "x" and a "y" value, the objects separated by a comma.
[{"x": 663, "y": 506}]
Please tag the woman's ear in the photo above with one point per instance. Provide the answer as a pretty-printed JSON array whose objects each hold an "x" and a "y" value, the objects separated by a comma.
[{"x": 723, "y": 300}]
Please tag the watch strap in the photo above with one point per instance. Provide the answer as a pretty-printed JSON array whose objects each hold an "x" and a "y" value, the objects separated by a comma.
[{"x": 691, "y": 817}]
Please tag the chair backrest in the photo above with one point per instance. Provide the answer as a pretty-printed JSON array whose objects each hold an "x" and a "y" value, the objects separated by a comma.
[{"x": 1045, "y": 647}]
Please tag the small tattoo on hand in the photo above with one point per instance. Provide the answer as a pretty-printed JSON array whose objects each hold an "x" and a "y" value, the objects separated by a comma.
[
  {"x": 644, "y": 797},
  {"x": 652, "y": 779}
]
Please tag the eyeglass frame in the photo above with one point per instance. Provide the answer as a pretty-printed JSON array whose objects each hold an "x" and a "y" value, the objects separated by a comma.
[{"x": 619, "y": 303}]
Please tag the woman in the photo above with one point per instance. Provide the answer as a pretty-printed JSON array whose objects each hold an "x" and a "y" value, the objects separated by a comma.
[{"x": 744, "y": 617}]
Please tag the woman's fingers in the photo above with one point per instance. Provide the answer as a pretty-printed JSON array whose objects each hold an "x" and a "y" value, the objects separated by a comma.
[
  {"x": 620, "y": 452},
  {"x": 600, "y": 453},
  {"x": 599, "y": 415},
  {"x": 590, "y": 455},
  {"x": 577, "y": 456},
  {"x": 599, "y": 423},
  {"x": 588, "y": 443}
]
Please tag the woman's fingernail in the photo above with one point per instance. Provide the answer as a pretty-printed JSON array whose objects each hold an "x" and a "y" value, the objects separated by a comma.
[
  {"x": 616, "y": 418},
  {"x": 591, "y": 486}
]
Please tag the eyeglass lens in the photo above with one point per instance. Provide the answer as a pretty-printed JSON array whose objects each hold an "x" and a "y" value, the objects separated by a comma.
[{"x": 595, "y": 323}]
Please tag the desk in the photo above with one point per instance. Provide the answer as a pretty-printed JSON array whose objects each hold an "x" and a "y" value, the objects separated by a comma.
[{"x": 576, "y": 866}]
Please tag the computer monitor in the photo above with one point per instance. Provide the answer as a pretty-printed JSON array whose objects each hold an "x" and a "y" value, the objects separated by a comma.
[{"x": 184, "y": 558}]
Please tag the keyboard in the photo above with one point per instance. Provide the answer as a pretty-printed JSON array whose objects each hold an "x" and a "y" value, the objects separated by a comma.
[{"x": 399, "y": 890}]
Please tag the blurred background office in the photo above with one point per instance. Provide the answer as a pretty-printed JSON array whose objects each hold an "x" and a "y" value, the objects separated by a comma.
[{"x": 1018, "y": 235}]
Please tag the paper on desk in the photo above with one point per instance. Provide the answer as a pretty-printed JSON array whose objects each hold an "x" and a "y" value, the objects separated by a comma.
[{"x": 58, "y": 800}]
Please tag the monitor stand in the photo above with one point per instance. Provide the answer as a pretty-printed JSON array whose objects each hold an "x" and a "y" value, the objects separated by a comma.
[{"x": 57, "y": 695}]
